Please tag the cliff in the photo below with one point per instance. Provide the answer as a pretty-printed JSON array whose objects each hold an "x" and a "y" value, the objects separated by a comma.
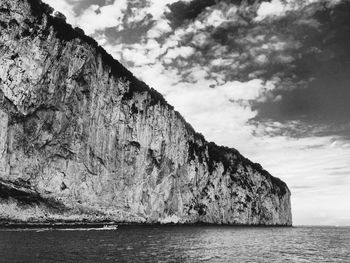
[{"x": 82, "y": 139}]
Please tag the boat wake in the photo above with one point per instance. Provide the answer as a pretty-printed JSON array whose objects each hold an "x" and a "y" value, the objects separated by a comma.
[{"x": 104, "y": 228}]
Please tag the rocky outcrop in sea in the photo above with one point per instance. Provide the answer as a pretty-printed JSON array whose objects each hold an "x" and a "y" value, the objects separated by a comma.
[{"x": 81, "y": 139}]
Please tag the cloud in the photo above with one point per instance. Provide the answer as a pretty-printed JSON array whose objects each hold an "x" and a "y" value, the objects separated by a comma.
[
  {"x": 273, "y": 8},
  {"x": 158, "y": 8},
  {"x": 98, "y": 18},
  {"x": 180, "y": 12},
  {"x": 183, "y": 52},
  {"x": 65, "y": 8},
  {"x": 278, "y": 8},
  {"x": 160, "y": 28}
]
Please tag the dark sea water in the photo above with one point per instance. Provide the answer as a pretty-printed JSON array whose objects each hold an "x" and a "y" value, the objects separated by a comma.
[{"x": 178, "y": 244}]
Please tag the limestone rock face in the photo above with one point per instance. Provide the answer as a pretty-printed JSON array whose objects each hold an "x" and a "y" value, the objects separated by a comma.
[{"x": 82, "y": 139}]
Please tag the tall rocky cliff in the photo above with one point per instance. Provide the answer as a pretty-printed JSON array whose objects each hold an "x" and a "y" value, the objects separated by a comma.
[{"x": 82, "y": 139}]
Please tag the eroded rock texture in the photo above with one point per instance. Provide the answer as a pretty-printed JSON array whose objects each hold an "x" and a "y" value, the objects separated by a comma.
[{"x": 82, "y": 139}]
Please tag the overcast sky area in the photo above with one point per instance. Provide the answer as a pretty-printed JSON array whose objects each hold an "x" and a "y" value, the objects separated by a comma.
[{"x": 269, "y": 78}]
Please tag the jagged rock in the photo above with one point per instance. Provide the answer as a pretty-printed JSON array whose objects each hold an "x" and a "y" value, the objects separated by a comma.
[{"x": 79, "y": 130}]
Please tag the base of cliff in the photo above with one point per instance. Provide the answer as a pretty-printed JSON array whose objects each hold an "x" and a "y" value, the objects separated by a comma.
[
  {"x": 23, "y": 208},
  {"x": 22, "y": 205}
]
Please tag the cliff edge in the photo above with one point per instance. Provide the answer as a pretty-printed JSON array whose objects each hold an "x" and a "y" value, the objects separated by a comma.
[{"x": 81, "y": 139}]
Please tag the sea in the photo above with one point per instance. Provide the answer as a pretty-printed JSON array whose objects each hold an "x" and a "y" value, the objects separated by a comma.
[{"x": 176, "y": 244}]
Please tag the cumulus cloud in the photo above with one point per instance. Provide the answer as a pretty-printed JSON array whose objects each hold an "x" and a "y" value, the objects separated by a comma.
[
  {"x": 278, "y": 8},
  {"x": 98, "y": 18},
  {"x": 273, "y": 8},
  {"x": 158, "y": 8},
  {"x": 160, "y": 28},
  {"x": 65, "y": 8}
]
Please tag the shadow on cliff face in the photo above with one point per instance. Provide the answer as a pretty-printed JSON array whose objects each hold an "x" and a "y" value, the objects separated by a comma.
[{"x": 24, "y": 196}]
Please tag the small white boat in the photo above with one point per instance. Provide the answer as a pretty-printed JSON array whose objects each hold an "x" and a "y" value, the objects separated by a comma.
[{"x": 110, "y": 227}]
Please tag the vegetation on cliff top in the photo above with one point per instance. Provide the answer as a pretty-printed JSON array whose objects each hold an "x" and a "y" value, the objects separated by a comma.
[{"x": 231, "y": 158}]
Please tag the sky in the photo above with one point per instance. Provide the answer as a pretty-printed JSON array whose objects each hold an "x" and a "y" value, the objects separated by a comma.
[{"x": 269, "y": 78}]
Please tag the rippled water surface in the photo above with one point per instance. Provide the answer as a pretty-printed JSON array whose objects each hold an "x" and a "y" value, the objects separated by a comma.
[{"x": 178, "y": 244}]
